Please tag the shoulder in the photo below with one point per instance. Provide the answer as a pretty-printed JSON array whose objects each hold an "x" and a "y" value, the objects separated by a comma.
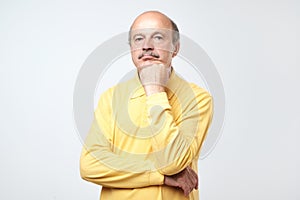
[
  {"x": 189, "y": 89},
  {"x": 200, "y": 92},
  {"x": 203, "y": 98}
]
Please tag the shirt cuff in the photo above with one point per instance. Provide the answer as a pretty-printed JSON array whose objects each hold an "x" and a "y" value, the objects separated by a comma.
[
  {"x": 156, "y": 178},
  {"x": 160, "y": 99}
]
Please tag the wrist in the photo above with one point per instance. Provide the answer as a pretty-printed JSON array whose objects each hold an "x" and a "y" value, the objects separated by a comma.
[{"x": 153, "y": 89}]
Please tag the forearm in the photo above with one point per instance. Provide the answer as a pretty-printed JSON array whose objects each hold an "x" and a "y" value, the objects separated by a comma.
[
  {"x": 95, "y": 171},
  {"x": 98, "y": 164},
  {"x": 176, "y": 146}
]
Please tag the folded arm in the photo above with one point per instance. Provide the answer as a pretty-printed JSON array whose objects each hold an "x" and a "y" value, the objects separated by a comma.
[{"x": 175, "y": 146}]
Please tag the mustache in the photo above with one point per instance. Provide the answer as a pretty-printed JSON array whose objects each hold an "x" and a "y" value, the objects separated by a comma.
[{"x": 148, "y": 54}]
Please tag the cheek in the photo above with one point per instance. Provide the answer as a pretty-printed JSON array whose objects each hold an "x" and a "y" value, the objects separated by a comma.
[
  {"x": 166, "y": 56},
  {"x": 134, "y": 57},
  {"x": 165, "y": 48},
  {"x": 134, "y": 53}
]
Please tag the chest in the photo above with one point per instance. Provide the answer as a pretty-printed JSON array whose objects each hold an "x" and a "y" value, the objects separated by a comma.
[{"x": 132, "y": 131}]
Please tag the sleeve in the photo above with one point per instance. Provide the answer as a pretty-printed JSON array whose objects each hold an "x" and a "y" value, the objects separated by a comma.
[
  {"x": 178, "y": 143},
  {"x": 100, "y": 165}
]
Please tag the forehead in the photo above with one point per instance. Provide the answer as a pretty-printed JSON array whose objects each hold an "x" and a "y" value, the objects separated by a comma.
[
  {"x": 151, "y": 21},
  {"x": 151, "y": 31}
]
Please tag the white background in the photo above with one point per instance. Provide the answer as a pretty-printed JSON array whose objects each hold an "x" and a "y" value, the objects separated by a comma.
[{"x": 254, "y": 45}]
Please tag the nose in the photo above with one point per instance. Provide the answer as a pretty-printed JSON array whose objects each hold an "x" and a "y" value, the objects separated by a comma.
[{"x": 148, "y": 46}]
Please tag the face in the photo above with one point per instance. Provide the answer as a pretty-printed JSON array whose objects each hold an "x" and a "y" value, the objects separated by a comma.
[{"x": 151, "y": 40}]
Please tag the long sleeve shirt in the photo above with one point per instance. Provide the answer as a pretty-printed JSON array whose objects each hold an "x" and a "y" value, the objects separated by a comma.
[{"x": 136, "y": 139}]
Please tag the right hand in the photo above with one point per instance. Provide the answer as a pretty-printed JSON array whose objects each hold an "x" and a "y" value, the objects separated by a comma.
[
  {"x": 187, "y": 180},
  {"x": 154, "y": 78}
]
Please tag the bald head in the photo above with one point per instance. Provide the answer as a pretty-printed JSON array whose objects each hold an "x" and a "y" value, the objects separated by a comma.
[{"x": 155, "y": 20}]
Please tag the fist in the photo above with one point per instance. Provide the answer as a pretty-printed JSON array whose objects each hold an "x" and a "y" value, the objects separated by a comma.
[{"x": 155, "y": 75}]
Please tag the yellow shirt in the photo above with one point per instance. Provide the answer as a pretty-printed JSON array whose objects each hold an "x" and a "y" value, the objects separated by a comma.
[{"x": 136, "y": 139}]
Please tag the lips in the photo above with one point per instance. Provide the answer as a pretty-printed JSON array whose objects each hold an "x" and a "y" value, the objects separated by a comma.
[
  {"x": 145, "y": 56},
  {"x": 148, "y": 55}
]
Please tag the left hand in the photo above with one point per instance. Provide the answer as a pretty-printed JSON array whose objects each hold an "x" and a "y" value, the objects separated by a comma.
[{"x": 187, "y": 180}]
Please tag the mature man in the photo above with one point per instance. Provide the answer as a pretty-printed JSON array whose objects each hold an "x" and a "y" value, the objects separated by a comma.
[{"x": 147, "y": 133}]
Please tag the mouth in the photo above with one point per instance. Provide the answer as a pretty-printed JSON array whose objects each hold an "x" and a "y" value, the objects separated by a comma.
[{"x": 148, "y": 56}]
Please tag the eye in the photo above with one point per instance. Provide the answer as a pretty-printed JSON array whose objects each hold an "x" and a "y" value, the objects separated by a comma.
[
  {"x": 138, "y": 38},
  {"x": 158, "y": 37}
]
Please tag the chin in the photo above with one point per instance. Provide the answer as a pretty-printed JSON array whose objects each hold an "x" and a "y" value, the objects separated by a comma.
[{"x": 148, "y": 62}]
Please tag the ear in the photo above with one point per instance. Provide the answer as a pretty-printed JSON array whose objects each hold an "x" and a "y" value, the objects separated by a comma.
[{"x": 175, "y": 49}]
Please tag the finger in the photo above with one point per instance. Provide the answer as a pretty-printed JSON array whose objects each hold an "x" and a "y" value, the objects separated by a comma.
[
  {"x": 194, "y": 177},
  {"x": 170, "y": 181},
  {"x": 156, "y": 74},
  {"x": 185, "y": 183},
  {"x": 188, "y": 181},
  {"x": 186, "y": 190},
  {"x": 193, "y": 172}
]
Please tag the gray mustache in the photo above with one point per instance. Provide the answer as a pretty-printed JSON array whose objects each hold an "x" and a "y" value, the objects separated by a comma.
[{"x": 148, "y": 54}]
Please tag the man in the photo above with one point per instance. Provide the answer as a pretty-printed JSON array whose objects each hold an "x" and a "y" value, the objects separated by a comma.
[{"x": 147, "y": 133}]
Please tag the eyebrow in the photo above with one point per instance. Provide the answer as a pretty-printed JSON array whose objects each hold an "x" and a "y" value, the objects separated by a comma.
[
  {"x": 157, "y": 32},
  {"x": 142, "y": 34},
  {"x": 138, "y": 34}
]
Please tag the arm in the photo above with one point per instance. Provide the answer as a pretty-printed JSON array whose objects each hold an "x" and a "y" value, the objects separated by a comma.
[
  {"x": 94, "y": 169},
  {"x": 177, "y": 145},
  {"x": 100, "y": 165}
]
